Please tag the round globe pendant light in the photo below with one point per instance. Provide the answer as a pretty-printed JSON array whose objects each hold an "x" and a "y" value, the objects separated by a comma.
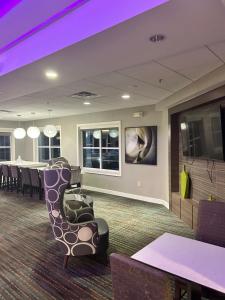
[
  {"x": 33, "y": 132},
  {"x": 97, "y": 134},
  {"x": 113, "y": 133},
  {"x": 19, "y": 133},
  {"x": 50, "y": 131}
]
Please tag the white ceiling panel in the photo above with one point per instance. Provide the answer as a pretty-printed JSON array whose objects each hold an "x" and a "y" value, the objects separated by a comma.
[
  {"x": 157, "y": 75},
  {"x": 63, "y": 105},
  {"x": 130, "y": 85},
  {"x": 219, "y": 49},
  {"x": 193, "y": 64}
]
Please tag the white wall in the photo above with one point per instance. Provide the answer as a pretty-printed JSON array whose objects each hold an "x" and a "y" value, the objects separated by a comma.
[{"x": 154, "y": 179}]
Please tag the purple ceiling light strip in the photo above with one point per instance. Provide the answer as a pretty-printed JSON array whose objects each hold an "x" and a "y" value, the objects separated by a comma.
[
  {"x": 7, "y": 5},
  {"x": 43, "y": 25}
]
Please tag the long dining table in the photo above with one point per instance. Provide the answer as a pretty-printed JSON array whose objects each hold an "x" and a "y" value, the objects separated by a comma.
[{"x": 24, "y": 163}]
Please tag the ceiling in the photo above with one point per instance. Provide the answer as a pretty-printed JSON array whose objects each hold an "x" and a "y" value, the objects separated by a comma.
[
  {"x": 23, "y": 20},
  {"x": 122, "y": 60}
]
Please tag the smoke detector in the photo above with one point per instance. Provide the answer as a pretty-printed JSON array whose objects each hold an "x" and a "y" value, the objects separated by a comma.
[{"x": 156, "y": 38}]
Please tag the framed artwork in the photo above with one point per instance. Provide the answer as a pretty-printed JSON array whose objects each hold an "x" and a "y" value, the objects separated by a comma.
[{"x": 141, "y": 145}]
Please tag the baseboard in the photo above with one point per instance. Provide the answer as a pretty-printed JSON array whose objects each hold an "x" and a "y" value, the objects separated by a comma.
[{"x": 126, "y": 195}]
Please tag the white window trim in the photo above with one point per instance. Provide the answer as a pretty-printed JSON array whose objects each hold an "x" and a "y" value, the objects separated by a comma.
[
  {"x": 36, "y": 148},
  {"x": 12, "y": 142},
  {"x": 100, "y": 125}
]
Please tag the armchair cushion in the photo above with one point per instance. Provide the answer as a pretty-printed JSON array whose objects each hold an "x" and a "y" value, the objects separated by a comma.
[{"x": 83, "y": 214}]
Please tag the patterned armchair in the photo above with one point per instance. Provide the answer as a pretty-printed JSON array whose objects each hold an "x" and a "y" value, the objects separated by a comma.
[
  {"x": 60, "y": 159},
  {"x": 75, "y": 239}
]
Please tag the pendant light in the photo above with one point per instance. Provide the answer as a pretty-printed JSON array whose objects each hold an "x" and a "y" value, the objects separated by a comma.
[
  {"x": 19, "y": 132},
  {"x": 113, "y": 133},
  {"x": 50, "y": 130},
  {"x": 97, "y": 134},
  {"x": 33, "y": 131}
]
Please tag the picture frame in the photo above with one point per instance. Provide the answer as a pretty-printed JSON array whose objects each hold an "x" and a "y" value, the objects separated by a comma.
[{"x": 141, "y": 145}]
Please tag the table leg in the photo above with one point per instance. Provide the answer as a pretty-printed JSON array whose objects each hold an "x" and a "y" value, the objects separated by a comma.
[{"x": 195, "y": 293}]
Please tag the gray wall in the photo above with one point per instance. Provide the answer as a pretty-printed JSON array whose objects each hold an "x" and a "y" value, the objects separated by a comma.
[{"x": 153, "y": 179}]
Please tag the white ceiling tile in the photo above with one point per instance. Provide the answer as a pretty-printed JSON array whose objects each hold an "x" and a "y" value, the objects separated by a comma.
[
  {"x": 219, "y": 49},
  {"x": 157, "y": 75},
  {"x": 125, "y": 84},
  {"x": 193, "y": 64}
]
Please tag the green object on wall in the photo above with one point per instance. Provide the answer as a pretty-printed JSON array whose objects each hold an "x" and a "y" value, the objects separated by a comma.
[{"x": 184, "y": 184}]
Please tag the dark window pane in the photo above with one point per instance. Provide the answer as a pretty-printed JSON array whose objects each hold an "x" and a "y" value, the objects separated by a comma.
[
  {"x": 43, "y": 154},
  {"x": 110, "y": 159},
  {"x": 5, "y": 140},
  {"x": 4, "y": 154},
  {"x": 110, "y": 137},
  {"x": 91, "y": 138},
  {"x": 43, "y": 140},
  {"x": 91, "y": 158},
  {"x": 55, "y": 141},
  {"x": 55, "y": 152}
]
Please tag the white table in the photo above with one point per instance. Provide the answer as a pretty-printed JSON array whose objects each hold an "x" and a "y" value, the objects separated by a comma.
[
  {"x": 192, "y": 260},
  {"x": 24, "y": 163}
]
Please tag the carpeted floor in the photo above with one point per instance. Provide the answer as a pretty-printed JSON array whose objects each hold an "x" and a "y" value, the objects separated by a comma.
[{"x": 30, "y": 261}]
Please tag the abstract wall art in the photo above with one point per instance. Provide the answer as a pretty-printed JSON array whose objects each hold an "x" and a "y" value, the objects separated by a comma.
[{"x": 141, "y": 145}]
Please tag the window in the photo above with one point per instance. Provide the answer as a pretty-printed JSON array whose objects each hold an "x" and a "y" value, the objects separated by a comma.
[
  {"x": 48, "y": 148},
  {"x": 100, "y": 148},
  {"x": 5, "y": 146}
]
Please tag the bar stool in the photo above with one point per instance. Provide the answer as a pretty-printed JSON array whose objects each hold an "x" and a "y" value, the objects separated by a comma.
[
  {"x": 0, "y": 176},
  {"x": 5, "y": 176},
  {"x": 35, "y": 182},
  {"x": 25, "y": 181},
  {"x": 15, "y": 178}
]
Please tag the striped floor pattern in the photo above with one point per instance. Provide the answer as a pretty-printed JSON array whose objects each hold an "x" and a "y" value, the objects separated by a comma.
[{"x": 30, "y": 261}]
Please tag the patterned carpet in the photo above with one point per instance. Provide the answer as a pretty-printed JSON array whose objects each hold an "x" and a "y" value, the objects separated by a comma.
[{"x": 30, "y": 261}]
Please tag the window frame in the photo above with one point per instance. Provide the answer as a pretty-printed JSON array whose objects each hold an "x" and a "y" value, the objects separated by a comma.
[
  {"x": 12, "y": 142},
  {"x": 101, "y": 125},
  {"x": 36, "y": 146}
]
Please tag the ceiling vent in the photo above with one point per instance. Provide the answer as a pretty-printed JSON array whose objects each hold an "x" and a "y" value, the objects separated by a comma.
[
  {"x": 6, "y": 111},
  {"x": 84, "y": 95}
]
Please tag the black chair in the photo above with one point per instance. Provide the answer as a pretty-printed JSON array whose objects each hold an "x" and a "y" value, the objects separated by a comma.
[
  {"x": 35, "y": 182},
  {"x": 15, "y": 178},
  {"x": 26, "y": 181}
]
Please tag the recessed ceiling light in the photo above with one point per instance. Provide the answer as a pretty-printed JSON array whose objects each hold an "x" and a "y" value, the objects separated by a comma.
[
  {"x": 125, "y": 96},
  {"x": 87, "y": 103},
  {"x": 157, "y": 38},
  {"x": 50, "y": 74}
]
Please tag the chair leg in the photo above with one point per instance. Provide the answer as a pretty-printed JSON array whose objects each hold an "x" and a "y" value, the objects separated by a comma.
[{"x": 65, "y": 262}]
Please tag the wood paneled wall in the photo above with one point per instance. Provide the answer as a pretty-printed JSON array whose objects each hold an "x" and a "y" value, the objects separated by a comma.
[{"x": 207, "y": 176}]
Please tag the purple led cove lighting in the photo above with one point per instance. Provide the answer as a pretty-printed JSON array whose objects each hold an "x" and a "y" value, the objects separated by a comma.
[
  {"x": 42, "y": 25},
  {"x": 94, "y": 17},
  {"x": 7, "y": 5}
]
